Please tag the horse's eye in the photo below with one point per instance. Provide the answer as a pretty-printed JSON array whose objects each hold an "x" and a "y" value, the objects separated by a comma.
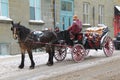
[{"x": 11, "y": 28}]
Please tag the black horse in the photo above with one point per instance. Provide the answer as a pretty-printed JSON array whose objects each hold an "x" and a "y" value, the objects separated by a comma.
[{"x": 29, "y": 40}]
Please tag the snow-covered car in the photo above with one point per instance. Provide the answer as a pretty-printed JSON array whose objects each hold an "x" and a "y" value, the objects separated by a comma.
[{"x": 117, "y": 42}]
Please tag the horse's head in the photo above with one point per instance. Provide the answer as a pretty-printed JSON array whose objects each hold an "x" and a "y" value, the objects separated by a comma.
[{"x": 15, "y": 29}]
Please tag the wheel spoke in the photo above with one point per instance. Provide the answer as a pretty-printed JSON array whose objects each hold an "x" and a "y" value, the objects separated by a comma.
[
  {"x": 60, "y": 53},
  {"x": 108, "y": 46},
  {"x": 78, "y": 53}
]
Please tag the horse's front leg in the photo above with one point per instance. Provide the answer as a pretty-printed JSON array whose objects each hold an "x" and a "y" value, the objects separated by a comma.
[
  {"x": 31, "y": 58},
  {"x": 22, "y": 59},
  {"x": 50, "y": 59}
]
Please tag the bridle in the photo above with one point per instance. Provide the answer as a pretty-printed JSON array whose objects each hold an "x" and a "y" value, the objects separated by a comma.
[{"x": 15, "y": 33}]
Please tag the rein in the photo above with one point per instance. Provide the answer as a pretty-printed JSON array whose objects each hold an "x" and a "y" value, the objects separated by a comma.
[
  {"x": 60, "y": 45},
  {"x": 33, "y": 42}
]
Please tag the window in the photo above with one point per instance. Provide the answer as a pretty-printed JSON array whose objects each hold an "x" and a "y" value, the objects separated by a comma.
[
  {"x": 66, "y": 6},
  {"x": 86, "y": 13},
  {"x": 4, "y": 48},
  {"x": 101, "y": 14},
  {"x": 70, "y": 21},
  {"x": 35, "y": 13},
  {"x": 4, "y": 8},
  {"x": 63, "y": 23}
]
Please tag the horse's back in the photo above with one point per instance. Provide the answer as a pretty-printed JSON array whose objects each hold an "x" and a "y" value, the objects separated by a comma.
[{"x": 42, "y": 36}]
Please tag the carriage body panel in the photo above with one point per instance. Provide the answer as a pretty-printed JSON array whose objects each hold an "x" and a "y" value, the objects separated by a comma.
[{"x": 93, "y": 39}]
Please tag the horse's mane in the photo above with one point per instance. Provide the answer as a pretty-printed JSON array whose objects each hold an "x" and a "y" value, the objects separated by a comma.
[
  {"x": 23, "y": 32},
  {"x": 64, "y": 35}
]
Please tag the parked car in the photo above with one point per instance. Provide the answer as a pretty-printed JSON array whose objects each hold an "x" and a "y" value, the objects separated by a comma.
[{"x": 117, "y": 42}]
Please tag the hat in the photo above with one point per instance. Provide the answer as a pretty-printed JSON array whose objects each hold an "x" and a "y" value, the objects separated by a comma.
[{"x": 75, "y": 17}]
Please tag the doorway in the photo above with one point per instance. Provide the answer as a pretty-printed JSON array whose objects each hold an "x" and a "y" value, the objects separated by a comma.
[{"x": 66, "y": 14}]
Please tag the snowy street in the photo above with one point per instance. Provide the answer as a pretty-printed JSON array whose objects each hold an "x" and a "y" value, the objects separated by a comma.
[{"x": 9, "y": 66}]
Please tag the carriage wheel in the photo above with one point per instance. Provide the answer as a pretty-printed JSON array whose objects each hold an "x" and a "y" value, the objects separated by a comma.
[
  {"x": 78, "y": 53},
  {"x": 60, "y": 53},
  {"x": 108, "y": 46}
]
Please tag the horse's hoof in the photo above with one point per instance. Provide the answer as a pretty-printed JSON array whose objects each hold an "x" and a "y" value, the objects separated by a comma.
[
  {"x": 32, "y": 67},
  {"x": 21, "y": 67},
  {"x": 49, "y": 64}
]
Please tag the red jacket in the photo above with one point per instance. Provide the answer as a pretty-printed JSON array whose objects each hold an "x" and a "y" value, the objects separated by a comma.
[{"x": 76, "y": 27}]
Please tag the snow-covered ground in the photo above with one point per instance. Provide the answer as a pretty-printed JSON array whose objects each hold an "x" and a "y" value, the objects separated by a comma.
[{"x": 9, "y": 63}]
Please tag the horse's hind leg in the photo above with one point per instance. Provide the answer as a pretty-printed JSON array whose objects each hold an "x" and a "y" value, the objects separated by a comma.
[{"x": 31, "y": 58}]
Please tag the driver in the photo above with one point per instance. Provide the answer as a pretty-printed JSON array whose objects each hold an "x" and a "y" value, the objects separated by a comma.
[{"x": 75, "y": 28}]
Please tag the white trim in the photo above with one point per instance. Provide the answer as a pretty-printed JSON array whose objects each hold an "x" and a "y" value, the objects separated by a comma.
[
  {"x": 86, "y": 24},
  {"x": 101, "y": 41},
  {"x": 118, "y": 7},
  {"x": 103, "y": 25},
  {"x": 5, "y": 18},
  {"x": 36, "y": 21}
]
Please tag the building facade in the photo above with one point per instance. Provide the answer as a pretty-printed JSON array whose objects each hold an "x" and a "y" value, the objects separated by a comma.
[
  {"x": 34, "y": 14},
  {"x": 41, "y": 14}
]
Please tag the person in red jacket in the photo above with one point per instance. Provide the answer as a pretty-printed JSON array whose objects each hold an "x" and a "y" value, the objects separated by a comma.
[{"x": 75, "y": 28}]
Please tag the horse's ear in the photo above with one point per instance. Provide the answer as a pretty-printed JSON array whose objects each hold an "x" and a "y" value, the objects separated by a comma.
[
  {"x": 12, "y": 22},
  {"x": 11, "y": 28},
  {"x": 19, "y": 23}
]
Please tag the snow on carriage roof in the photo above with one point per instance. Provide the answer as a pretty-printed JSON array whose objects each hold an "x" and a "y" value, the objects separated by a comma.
[{"x": 100, "y": 26}]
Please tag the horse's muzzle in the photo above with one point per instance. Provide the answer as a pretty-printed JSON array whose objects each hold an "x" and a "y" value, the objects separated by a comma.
[{"x": 15, "y": 36}]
